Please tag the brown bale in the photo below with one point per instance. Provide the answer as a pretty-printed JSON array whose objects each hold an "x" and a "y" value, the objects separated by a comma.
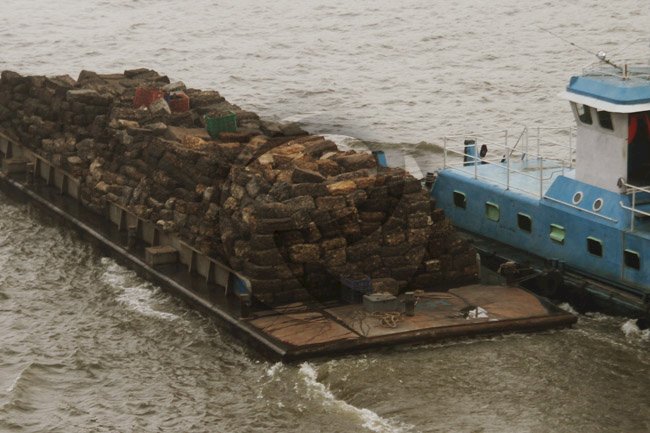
[
  {"x": 278, "y": 209},
  {"x": 300, "y": 175},
  {"x": 356, "y": 161},
  {"x": 304, "y": 253}
]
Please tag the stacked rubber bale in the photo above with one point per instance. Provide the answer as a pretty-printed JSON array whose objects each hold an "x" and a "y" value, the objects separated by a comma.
[
  {"x": 298, "y": 216},
  {"x": 51, "y": 116},
  {"x": 290, "y": 211}
]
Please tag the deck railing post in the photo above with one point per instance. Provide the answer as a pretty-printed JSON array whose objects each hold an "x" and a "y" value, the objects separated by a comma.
[
  {"x": 507, "y": 163},
  {"x": 526, "y": 142},
  {"x": 570, "y": 147},
  {"x": 540, "y": 164}
]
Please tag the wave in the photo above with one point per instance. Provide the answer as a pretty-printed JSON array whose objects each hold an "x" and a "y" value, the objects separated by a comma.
[
  {"x": 14, "y": 384},
  {"x": 632, "y": 331},
  {"x": 369, "y": 419},
  {"x": 33, "y": 375},
  {"x": 140, "y": 298}
]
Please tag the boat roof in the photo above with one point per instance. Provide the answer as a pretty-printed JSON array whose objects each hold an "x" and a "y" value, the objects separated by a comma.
[{"x": 608, "y": 89}]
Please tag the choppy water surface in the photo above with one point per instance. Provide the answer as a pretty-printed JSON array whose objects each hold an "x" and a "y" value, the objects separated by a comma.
[{"x": 88, "y": 346}]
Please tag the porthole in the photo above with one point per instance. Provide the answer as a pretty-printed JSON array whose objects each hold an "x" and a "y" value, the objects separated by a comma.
[
  {"x": 598, "y": 204},
  {"x": 577, "y": 197}
]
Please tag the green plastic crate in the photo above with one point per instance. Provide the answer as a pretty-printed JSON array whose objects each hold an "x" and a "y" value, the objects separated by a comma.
[{"x": 218, "y": 124}]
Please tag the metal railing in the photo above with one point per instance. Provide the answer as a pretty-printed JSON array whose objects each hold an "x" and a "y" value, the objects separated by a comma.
[
  {"x": 634, "y": 211},
  {"x": 523, "y": 158},
  {"x": 629, "y": 69}
]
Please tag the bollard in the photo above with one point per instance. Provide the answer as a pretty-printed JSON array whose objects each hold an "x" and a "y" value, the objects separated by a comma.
[{"x": 409, "y": 303}]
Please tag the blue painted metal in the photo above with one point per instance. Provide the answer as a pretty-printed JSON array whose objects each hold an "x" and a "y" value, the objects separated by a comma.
[
  {"x": 611, "y": 89},
  {"x": 238, "y": 286},
  {"x": 610, "y": 224},
  {"x": 380, "y": 157}
]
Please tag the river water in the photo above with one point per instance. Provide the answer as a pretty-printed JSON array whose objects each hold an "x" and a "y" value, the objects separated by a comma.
[{"x": 87, "y": 346}]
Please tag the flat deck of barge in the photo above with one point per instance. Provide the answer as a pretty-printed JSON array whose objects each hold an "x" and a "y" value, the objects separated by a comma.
[{"x": 300, "y": 330}]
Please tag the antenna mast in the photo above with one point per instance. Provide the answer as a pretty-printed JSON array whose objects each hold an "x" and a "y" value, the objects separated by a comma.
[{"x": 601, "y": 55}]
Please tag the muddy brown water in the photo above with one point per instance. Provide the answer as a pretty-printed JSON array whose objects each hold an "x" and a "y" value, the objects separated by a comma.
[{"x": 87, "y": 346}]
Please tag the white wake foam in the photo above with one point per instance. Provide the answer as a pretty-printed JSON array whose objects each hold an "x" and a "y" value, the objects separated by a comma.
[
  {"x": 368, "y": 418},
  {"x": 631, "y": 330},
  {"x": 139, "y": 297},
  {"x": 568, "y": 308},
  {"x": 347, "y": 142},
  {"x": 274, "y": 369}
]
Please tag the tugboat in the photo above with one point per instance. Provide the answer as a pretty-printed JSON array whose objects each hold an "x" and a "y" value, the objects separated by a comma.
[{"x": 581, "y": 222}]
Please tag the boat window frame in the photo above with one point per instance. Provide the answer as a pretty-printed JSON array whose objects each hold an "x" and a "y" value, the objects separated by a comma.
[
  {"x": 598, "y": 204},
  {"x": 605, "y": 119},
  {"x": 583, "y": 115},
  {"x": 593, "y": 241},
  {"x": 490, "y": 209},
  {"x": 457, "y": 203},
  {"x": 523, "y": 216},
  {"x": 577, "y": 197},
  {"x": 557, "y": 233},
  {"x": 635, "y": 256}
]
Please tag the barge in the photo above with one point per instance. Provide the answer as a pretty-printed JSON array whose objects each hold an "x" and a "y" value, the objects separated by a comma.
[{"x": 267, "y": 230}]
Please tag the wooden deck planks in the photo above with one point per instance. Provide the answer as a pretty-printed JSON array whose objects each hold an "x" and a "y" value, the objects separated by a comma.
[
  {"x": 302, "y": 326},
  {"x": 296, "y": 325}
]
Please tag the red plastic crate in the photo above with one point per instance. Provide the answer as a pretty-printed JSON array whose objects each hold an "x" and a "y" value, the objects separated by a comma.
[{"x": 145, "y": 96}]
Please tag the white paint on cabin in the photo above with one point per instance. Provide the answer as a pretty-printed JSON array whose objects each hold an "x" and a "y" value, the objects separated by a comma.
[{"x": 601, "y": 153}]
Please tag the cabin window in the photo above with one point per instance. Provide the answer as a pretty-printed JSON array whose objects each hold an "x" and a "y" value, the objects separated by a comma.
[
  {"x": 524, "y": 222},
  {"x": 595, "y": 246},
  {"x": 557, "y": 233},
  {"x": 632, "y": 259},
  {"x": 492, "y": 211},
  {"x": 605, "y": 120},
  {"x": 460, "y": 200},
  {"x": 584, "y": 114}
]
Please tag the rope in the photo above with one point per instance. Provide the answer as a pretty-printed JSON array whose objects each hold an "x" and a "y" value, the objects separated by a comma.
[{"x": 387, "y": 319}]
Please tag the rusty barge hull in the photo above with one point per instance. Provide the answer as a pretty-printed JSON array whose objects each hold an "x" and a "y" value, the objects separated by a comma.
[{"x": 289, "y": 332}]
